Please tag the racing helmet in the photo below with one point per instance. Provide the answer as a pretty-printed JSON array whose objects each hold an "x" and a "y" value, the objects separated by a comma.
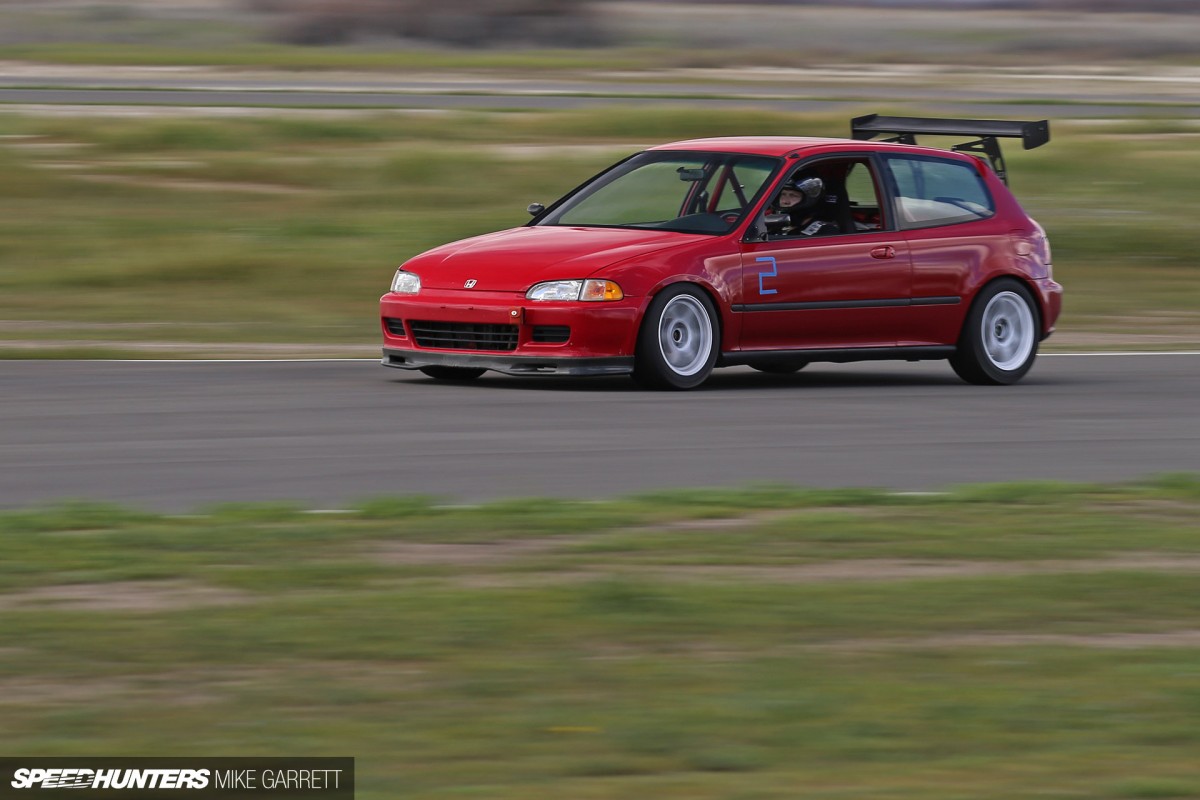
[{"x": 809, "y": 187}]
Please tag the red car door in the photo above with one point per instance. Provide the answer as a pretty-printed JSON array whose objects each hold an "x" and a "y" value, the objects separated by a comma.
[{"x": 825, "y": 292}]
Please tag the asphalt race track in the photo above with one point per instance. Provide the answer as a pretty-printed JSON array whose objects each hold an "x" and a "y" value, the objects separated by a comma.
[
  {"x": 178, "y": 436},
  {"x": 375, "y": 101},
  {"x": 1029, "y": 94}
]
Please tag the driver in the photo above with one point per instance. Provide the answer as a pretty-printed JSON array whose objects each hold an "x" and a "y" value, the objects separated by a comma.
[{"x": 800, "y": 199}]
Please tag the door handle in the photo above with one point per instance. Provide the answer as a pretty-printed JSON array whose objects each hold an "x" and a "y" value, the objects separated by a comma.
[{"x": 887, "y": 251}]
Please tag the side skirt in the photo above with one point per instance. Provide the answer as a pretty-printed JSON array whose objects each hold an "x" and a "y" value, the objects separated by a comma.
[{"x": 841, "y": 356}]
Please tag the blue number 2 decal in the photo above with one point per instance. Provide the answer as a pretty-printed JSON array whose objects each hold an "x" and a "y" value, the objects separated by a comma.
[{"x": 774, "y": 272}]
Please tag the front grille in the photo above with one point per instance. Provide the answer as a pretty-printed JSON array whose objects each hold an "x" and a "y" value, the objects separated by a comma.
[
  {"x": 394, "y": 326},
  {"x": 551, "y": 334},
  {"x": 464, "y": 335}
]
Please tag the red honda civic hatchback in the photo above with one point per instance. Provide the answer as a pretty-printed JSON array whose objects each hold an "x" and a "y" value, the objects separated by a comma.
[{"x": 771, "y": 252}]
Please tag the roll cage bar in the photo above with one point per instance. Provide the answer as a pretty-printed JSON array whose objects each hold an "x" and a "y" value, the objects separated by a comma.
[{"x": 905, "y": 130}]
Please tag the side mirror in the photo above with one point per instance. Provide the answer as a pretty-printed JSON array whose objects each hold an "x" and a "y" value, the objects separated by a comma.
[{"x": 535, "y": 208}]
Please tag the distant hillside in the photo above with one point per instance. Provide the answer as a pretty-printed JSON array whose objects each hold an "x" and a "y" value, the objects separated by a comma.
[{"x": 1101, "y": 6}]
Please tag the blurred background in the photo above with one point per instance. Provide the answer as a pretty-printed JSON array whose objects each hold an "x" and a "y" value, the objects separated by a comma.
[
  {"x": 643, "y": 35},
  {"x": 237, "y": 176},
  {"x": 198, "y": 178}
]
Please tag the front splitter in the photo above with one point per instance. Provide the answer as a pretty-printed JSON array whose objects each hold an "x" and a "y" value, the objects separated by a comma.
[{"x": 509, "y": 365}]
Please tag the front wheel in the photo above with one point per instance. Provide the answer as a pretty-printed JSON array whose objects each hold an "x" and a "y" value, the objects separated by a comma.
[
  {"x": 453, "y": 373},
  {"x": 999, "y": 340},
  {"x": 677, "y": 344}
]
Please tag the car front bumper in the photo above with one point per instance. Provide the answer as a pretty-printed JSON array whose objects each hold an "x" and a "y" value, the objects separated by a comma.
[
  {"x": 511, "y": 365},
  {"x": 507, "y": 333}
]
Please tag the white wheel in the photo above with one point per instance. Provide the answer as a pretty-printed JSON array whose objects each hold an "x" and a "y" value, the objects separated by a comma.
[
  {"x": 677, "y": 344},
  {"x": 1008, "y": 333},
  {"x": 685, "y": 335},
  {"x": 1000, "y": 336}
]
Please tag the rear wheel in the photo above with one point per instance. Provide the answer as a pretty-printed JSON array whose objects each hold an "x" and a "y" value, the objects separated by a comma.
[
  {"x": 677, "y": 344},
  {"x": 453, "y": 373},
  {"x": 999, "y": 340}
]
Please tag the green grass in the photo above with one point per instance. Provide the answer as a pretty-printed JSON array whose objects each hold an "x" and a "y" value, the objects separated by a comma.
[
  {"x": 115, "y": 232},
  {"x": 542, "y": 649}
]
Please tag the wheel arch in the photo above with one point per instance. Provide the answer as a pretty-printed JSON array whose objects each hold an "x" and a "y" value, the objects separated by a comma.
[
  {"x": 992, "y": 348},
  {"x": 725, "y": 317},
  {"x": 656, "y": 360},
  {"x": 1038, "y": 301}
]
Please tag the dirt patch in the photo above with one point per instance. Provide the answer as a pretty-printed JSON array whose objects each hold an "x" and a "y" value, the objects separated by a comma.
[
  {"x": 474, "y": 559},
  {"x": 200, "y": 351},
  {"x": 535, "y": 151},
  {"x": 197, "y": 185},
  {"x": 1130, "y": 341},
  {"x": 162, "y": 163},
  {"x": 482, "y": 554},
  {"x": 206, "y": 686},
  {"x": 472, "y": 554},
  {"x": 1148, "y": 331},
  {"x": 49, "y": 691},
  {"x": 36, "y": 144},
  {"x": 888, "y": 569},
  {"x": 851, "y": 570},
  {"x": 1105, "y": 641},
  {"x": 528, "y": 580},
  {"x": 756, "y": 518},
  {"x": 145, "y": 596}
]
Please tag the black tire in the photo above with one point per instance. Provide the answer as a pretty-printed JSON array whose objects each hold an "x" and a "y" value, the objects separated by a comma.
[
  {"x": 678, "y": 341},
  {"x": 453, "y": 373},
  {"x": 999, "y": 339},
  {"x": 780, "y": 367}
]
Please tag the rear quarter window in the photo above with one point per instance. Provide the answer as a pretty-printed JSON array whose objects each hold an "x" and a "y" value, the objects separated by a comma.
[{"x": 931, "y": 192}]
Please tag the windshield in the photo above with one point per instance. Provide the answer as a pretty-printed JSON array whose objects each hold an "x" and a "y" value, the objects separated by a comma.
[{"x": 686, "y": 192}]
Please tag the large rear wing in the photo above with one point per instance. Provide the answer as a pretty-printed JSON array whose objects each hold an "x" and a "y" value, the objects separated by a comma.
[{"x": 905, "y": 129}]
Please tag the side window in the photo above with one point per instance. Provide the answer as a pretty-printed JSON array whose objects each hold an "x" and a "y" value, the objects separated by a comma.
[
  {"x": 864, "y": 202},
  {"x": 932, "y": 192},
  {"x": 828, "y": 197}
]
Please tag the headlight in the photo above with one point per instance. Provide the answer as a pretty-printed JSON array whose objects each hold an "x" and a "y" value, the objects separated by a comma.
[
  {"x": 406, "y": 282},
  {"x": 555, "y": 290},
  {"x": 589, "y": 291}
]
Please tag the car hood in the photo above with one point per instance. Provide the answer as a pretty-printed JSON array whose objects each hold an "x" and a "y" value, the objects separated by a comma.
[{"x": 513, "y": 260}]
